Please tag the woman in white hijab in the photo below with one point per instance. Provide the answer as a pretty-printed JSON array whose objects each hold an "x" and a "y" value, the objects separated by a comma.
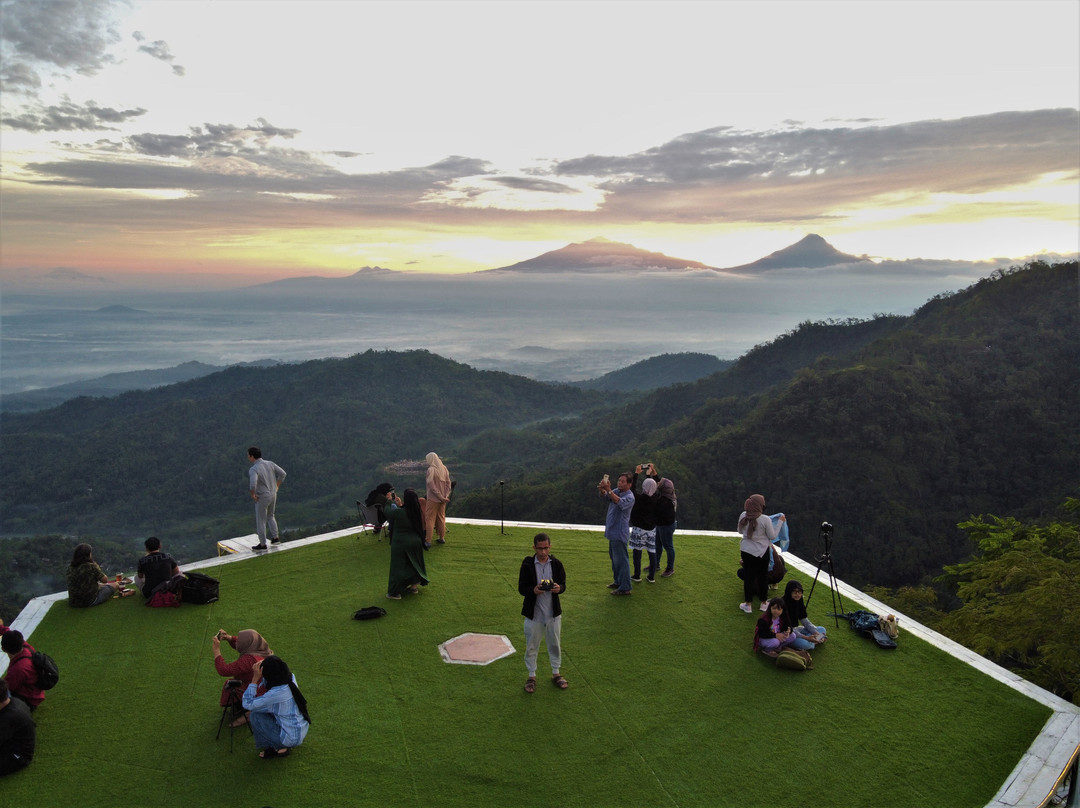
[{"x": 438, "y": 494}]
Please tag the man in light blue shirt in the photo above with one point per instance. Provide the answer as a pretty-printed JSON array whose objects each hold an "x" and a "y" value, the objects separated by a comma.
[{"x": 617, "y": 530}]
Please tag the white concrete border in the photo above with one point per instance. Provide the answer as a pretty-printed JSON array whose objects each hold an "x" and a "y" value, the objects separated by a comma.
[{"x": 1030, "y": 785}]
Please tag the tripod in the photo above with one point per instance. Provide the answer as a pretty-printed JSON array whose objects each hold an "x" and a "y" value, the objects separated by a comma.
[{"x": 825, "y": 561}]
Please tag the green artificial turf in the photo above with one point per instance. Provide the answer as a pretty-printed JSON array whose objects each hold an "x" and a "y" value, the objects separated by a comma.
[{"x": 667, "y": 705}]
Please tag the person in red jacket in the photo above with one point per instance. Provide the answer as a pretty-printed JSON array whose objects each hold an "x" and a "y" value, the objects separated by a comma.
[
  {"x": 252, "y": 648},
  {"x": 22, "y": 679}
]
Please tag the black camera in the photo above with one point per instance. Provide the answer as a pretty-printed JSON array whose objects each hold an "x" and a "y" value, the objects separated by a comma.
[{"x": 546, "y": 585}]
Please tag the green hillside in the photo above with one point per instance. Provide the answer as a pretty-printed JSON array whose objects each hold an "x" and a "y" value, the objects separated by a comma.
[{"x": 894, "y": 429}]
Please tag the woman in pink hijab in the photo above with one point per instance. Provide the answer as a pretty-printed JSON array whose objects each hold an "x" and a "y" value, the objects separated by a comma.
[{"x": 757, "y": 531}]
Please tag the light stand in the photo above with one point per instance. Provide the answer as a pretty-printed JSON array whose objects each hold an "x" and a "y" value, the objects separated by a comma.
[
  {"x": 826, "y": 561},
  {"x": 502, "y": 504}
]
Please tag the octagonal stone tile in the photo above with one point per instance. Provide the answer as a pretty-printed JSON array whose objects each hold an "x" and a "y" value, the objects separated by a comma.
[{"x": 476, "y": 649}]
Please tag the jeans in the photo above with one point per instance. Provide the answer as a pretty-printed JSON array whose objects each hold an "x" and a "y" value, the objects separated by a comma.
[
  {"x": 620, "y": 564},
  {"x": 665, "y": 540},
  {"x": 801, "y": 633}
]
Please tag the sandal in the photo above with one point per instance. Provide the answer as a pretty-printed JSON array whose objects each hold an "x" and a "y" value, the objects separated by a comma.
[
  {"x": 559, "y": 682},
  {"x": 530, "y": 685},
  {"x": 127, "y": 593}
]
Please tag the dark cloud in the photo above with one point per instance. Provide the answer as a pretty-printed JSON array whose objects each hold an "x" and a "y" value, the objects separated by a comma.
[
  {"x": 69, "y": 34},
  {"x": 534, "y": 184},
  {"x": 68, "y": 116}
]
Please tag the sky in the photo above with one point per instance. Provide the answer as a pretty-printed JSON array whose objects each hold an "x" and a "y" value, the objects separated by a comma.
[{"x": 249, "y": 140}]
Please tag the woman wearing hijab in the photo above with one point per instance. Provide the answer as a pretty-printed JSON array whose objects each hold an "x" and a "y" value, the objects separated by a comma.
[
  {"x": 407, "y": 570},
  {"x": 807, "y": 635},
  {"x": 438, "y": 494},
  {"x": 757, "y": 531},
  {"x": 279, "y": 713},
  {"x": 666, "y": 506},
  {"x": 87, "y": 584},
  {"x": 643, "y": 525},
  {"x": 252, "y": 648}
]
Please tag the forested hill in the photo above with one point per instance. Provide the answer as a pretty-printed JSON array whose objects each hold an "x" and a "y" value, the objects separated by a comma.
[
  {"x": 899, "y": 430},
  {"x": 894, "y": 429},
  {"x": 173, "y": 460}
]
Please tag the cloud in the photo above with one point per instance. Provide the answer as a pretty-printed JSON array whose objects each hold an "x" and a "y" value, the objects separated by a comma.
[
  {"x": 727, "y": 174},
  {"x": 68, "y": 34},
  {"x": 68, "y": 116},
  {"x": 159, "y": 49}
]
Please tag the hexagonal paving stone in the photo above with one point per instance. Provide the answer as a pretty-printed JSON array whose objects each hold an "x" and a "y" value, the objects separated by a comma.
[{"x": 476, "y": 649}]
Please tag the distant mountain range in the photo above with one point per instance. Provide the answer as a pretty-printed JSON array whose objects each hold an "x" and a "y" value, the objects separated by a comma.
[{"x": 600, "y": 254}]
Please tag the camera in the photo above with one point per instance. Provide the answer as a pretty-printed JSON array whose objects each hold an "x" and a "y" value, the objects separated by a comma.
[
  {"x": 826, "y": 529},
  {"x": 546, "y": 585}
]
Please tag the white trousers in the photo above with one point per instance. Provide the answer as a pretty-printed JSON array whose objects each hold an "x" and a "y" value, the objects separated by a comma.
[{"x": 548, "y": 632}]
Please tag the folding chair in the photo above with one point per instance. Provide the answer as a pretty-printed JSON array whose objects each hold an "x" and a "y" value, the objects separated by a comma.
[
  {"x": 369, "y": 518},
  {"x": 232, "y": 708}
]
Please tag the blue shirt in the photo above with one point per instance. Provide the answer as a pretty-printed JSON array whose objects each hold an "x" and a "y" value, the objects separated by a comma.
[
  {"x": 279, "y": 702},
  {"x": 617, "y": 524}
]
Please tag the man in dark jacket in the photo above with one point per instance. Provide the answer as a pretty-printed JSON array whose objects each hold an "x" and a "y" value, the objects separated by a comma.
[{"x": 541, "y": 580}]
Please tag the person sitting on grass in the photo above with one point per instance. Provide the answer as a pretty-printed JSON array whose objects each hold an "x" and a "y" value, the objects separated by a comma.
[
  {"x": 807, "y": 635},
  {"x": 87, "y": 584},
  {"x": 18, "y": 733},
  {"x": 279, "y": 715},
  {"x": 772, "y": 632},
  {"x": 21, "y": 675},
  {"x": 252, "y": 648}
]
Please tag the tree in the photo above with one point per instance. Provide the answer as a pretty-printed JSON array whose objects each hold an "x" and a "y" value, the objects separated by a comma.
[{"x": 1021, "y": 598}]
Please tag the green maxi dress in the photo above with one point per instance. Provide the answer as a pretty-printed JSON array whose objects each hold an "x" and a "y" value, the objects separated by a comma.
[{"x": 406, "y": 554}]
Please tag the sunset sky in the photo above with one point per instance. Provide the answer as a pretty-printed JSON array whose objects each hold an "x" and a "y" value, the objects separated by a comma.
[{"x": 258, "y": 139}]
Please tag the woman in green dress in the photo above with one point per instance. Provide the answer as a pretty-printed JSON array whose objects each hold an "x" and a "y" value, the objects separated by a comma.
[{"x": 407, "y": 571}]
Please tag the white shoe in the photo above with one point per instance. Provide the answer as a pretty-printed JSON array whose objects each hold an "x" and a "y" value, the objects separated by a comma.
[
  {"x": 745, "y": 607},
  {"x": 764, "y": 605}
]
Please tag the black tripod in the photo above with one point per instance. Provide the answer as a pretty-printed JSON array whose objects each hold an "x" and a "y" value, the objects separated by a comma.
[
  {"x": 502, "y": 503},
  {"x": 826, "y": 561}
]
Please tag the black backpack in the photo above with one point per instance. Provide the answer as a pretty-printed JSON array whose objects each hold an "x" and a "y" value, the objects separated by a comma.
[{"x": 45, "y": 668}]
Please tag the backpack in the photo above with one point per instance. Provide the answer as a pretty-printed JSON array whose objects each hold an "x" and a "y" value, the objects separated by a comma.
[
  {"x": 369, "y": 613},
  {"x": 199, "y": 589},
  {"x": 48, "y": 674},
  {"x": 794, "y": 660}
]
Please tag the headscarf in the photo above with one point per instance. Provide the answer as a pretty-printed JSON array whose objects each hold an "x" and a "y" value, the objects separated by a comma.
[
  {"x": 796, "y": 609},
  {"x": 667, "y": 491},
  {"x": 436, "y": 465},
  {"x": 411, "y": 503},
  {"x": 250, "y": 641},
  {"x": 754, "y": 507},
  {"x": 648, "y": 488},
  {"x": 378, "y": 493}
]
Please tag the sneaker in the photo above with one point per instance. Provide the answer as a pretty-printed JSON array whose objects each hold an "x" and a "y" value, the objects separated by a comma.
[
  {"x": 764, "y": 605},
  {"x": 258, "y": 547},
  {"x": 651, "y": 579},
  {"x": 746, "y": 608},
  {"x": 441, "y": 541},
  {"x": 612, "y": 586},
  {"x": 667, "y": 573},
  {"x": 275, "y": 541},
  {"x": 393, "y": 597},
  {"x": 622, "y": 592},
  {"x": 636, "y": 578}
]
